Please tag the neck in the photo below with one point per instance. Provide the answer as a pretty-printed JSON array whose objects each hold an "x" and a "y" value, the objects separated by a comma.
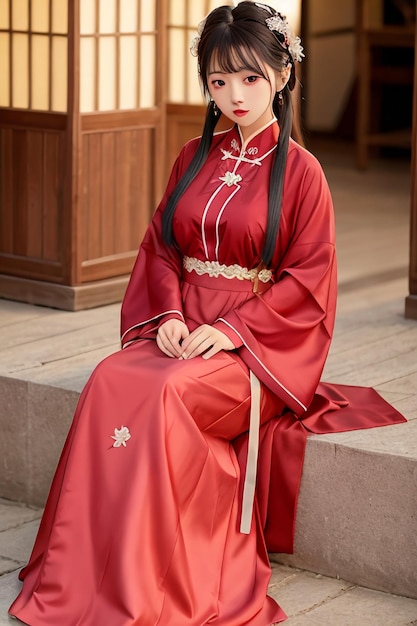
[{"x": 246, "y": 138}]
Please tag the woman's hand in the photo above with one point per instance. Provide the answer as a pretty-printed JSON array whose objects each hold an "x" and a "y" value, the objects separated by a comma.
[
  {"x": 170, "y": 335},
  {"x": 205, "y": 340}
]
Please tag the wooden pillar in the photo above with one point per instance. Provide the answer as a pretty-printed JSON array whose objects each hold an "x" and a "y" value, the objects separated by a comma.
[{"x": 411, "y": 300}]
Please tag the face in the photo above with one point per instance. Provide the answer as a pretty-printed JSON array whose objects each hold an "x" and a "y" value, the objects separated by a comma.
[{"x": 245, "y": 97}]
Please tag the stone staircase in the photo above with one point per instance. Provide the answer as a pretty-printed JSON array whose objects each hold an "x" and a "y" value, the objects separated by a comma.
[{"x": 357, "y": 510}]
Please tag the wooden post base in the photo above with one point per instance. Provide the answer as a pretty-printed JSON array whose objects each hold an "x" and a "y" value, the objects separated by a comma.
[
  {"x": 87, "y": 296},
  {"x": 411, "y": 307}
]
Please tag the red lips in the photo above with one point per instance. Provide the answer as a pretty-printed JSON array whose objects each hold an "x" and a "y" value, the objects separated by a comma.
[{"x": 240, "y": 112}]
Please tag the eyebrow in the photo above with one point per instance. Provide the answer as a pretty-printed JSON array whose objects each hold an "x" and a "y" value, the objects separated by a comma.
[{"x": 217, "y": 72}]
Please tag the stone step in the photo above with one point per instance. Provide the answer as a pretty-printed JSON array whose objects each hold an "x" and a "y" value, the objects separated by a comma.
[{"x": 357, "y": 509}]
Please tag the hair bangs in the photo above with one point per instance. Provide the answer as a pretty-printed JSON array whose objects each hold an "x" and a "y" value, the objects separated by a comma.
[
  {"x": 236, "y": 56},
  {"x": 233, "y": 52}
]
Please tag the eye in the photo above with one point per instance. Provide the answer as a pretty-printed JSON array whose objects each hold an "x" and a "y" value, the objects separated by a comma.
[
  {"x": 252, "y": 79},
  {"x": 218, "y": 82}
]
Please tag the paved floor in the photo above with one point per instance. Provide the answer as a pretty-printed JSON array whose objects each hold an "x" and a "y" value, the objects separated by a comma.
[
  {"x": 308, "y": 599},
  {"x": 373, "y": 268}
]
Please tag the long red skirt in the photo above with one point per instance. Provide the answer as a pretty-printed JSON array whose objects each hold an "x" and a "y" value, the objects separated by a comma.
[{"x": 146, "y": 533}]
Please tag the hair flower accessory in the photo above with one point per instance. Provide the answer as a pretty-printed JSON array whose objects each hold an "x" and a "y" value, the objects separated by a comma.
[
  {"x": 278, "y": 23},
  {"x": 196, "y": 40}
]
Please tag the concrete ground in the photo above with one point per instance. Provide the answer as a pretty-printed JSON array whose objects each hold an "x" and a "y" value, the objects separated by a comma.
[{"x": 308, "y": 599}]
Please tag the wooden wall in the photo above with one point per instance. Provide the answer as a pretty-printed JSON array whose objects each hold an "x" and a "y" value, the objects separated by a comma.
[
  {"x": 121, "y": 179},
  {"x": 184, "y": 122},
  {"x": 32, "y": 153},
  {"x": 75, "y": 205}
]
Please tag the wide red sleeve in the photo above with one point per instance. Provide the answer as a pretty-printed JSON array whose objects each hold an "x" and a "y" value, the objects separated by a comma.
[
  {"x": 286, "y": 331},
  {"x": 153, "y": 292}
]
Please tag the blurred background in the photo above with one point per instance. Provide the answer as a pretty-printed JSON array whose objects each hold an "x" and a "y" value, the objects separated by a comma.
[{"x": 98, "y": 96}]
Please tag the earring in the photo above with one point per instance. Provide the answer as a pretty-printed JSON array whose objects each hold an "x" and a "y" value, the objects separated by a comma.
[
  {"x": 280, "y": 98},
  {"x": 215, "y": 109}
]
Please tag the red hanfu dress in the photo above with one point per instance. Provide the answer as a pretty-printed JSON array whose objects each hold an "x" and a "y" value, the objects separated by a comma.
[{"x": 142, "y": 524}]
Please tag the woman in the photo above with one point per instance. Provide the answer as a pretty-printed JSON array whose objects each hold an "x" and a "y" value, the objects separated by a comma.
[{"x": 226, "y": 325}]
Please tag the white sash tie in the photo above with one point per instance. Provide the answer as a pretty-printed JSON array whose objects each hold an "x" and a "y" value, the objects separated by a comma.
[{"x": 252, "y": 458}]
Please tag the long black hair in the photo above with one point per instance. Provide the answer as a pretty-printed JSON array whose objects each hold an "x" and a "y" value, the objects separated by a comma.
[{"x": 238, "y": 38}]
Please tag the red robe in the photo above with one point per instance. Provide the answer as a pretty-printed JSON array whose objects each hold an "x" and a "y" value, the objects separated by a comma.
[
  {"x": 283, "y": 335},
  {"x": 142, "y": 525}
]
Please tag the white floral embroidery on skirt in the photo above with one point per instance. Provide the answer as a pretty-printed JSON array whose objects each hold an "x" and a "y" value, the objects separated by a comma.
[{"x": 121, "y": 435}]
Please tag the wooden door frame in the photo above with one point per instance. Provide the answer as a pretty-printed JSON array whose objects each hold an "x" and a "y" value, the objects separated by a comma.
[{"x": 411, "y": 299}]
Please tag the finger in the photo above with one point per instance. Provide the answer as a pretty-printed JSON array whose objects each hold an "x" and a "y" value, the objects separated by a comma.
[
  {"x": 215, "y": 349},
  {"x": 184, "y": 332},
  {"x": 174, "y": 347},
  {"x": 197, "y": 335},
  {"x": 175, "y": 337},
  {"x": 166, "y": 349},
  {"x": 163, "y": 348},
  {"x": 170, "y": 342},
  {"x": 192, "y": 343},
  {"x": 198, "y": 347}
]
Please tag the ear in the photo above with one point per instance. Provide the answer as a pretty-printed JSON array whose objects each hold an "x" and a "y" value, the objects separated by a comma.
[{"x": 284, "y": 77}]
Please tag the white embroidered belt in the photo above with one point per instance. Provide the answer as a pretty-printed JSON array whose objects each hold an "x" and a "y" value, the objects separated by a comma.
[{"x": 215, "y": 269}]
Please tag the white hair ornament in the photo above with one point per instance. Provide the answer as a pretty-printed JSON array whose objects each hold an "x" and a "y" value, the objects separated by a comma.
[
  {"x": 276, "y": 23},
  {"x": 196, "y": 40}
]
